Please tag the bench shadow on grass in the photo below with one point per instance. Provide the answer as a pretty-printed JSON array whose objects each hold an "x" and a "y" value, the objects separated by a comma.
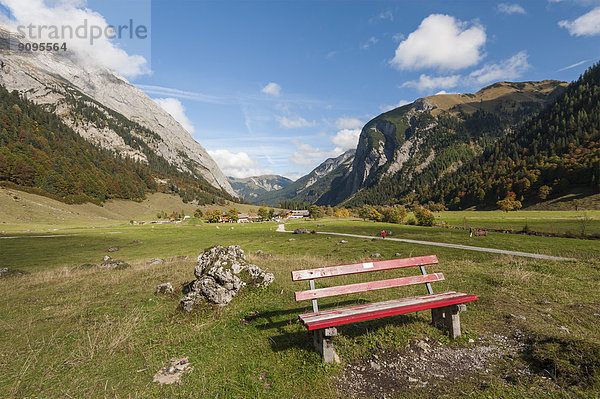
[{"x": 285, "y": 340}]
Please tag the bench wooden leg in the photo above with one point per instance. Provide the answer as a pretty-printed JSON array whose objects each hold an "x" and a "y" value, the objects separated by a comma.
[
  {"x": 449, "y": 318},
  {"x": 323, "y": 342}
]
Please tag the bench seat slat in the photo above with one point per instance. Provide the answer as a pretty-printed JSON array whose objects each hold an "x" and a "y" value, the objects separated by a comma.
[
  {"x": 366, "y": 306},
  {"x": 363, "y": 305},
  {"x": 340, "y": 316},
  {"x": 331, "y": 271},
  {"x": 368, "y": 286}
]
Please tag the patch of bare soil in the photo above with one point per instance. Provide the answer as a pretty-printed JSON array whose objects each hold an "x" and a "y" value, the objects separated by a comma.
[
  {"x": 423, "y": 365},
  {"x": 174, "y": 371}
]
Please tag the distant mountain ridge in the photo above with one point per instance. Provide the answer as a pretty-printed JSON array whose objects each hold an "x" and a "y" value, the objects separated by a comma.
[
  {"x": 251, "y": 188},
  {"x": 311, "y": 187}
]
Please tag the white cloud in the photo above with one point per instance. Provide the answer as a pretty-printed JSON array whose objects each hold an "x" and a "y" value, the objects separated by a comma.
[
  {"x": 247, "y": 172},
  {"x": 382, "y": 16},
  {"x": 346, "y": 138},
  {"x": 299, "y": 159},
  {"x": 398, "y": 37},
  {"x": 293, "y": 175},
  {"x": 348, "y": 123},
  {"x": 69, "y": 15},
  {"x": 443, "y": 42},
  {"x": 237, "y": 164},
  {"x": 272, "y": 89},
  {"x": 386, "y": 108},
  {"x": 313, "y": 152},
  {"x": 371, "y": 41},
  {"x": 293, "y": 123},
  {"x": 509, "y": 69},
  {"x": 427, "y": 83},
  {"x": 509, "y": 9},
  {"x": 174, "y": 107},
  {"x": 228, "y": 159},
  {"x": 309, "y": 156},
  {"x": 586, "y": 25}
]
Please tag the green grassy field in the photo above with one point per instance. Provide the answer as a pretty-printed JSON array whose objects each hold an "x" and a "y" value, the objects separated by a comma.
[
  {"x": 22, "y": 211},
  {"x": 86, "y": 332},
  {"x": 555, "y": 222}
]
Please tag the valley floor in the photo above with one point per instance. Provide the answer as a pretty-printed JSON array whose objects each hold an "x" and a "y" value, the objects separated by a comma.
[
  {"x": 80, "y": 331},
  {"x": 22, "y": 211}
]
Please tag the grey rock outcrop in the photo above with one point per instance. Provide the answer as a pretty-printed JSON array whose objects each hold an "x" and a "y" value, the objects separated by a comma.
[
  {"x": 110, "y": 263},
  {"x": 301, "y": 230},
  {"x": 164, "y": 288},
  {"x": 221, "y": 272}
]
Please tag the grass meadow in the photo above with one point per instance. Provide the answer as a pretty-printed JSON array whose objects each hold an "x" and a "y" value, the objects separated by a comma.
[{"x": 72, "y": 331}]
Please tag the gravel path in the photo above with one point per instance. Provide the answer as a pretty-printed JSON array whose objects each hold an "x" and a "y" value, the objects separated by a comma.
[{"x": 281, "y": 228}]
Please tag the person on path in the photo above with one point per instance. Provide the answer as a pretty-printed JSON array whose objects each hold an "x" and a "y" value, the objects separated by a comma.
[{"x": 383, "y": 233}]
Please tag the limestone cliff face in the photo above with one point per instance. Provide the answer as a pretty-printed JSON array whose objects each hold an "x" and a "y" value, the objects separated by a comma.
[{"x": 51, "y": 78}]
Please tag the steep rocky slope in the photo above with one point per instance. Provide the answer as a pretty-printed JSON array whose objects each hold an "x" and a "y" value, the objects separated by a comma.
[{"x": 72, "y": 90}]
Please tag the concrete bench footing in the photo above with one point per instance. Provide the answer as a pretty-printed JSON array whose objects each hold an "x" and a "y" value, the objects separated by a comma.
[
  {"x": 448, "y": 317},
  {"x": 322, "y": 339}
]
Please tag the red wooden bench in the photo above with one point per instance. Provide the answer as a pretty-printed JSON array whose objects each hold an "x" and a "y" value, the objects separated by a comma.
[{"x": 445, "y": 306}]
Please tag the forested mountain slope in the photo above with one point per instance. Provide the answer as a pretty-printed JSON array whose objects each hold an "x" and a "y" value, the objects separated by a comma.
[
  {"x": 552, "y": 153},
  {"x": 412, "y": 146},
  {"x": 38, "y": 150}
]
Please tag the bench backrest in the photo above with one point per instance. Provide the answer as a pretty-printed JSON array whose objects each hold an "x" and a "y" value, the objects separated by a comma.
[{"x": 332, "y": 271}]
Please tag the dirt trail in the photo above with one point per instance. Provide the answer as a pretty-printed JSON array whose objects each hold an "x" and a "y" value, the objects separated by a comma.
[{"x": 281, "y": 228}]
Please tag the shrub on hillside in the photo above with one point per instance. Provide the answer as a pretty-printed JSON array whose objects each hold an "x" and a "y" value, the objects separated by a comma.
[{"x": 424, "y": 216}]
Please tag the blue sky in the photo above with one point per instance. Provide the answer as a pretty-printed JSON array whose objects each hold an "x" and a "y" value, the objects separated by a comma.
[{"x": 277, "y": 87}]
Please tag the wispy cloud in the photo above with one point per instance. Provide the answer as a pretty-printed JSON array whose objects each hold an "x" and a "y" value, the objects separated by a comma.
[
  {"x": 386, "y": 108},
  {"x": 510, "y": 9},
  {"x": 382, "y": 16},
  {"x": 294, "y": 122},
  {"x": 371, "y": 41},
  {"x": 574, "y": 65},
  {"x": 225, "y": 99},
  {"x": 187, "y": 95},
  {"x": 348, "y": 123},
  {"x": 309, "y": 156},
  {"x": 427, "y": 82},
  {"x": 509, "y": 69}
]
